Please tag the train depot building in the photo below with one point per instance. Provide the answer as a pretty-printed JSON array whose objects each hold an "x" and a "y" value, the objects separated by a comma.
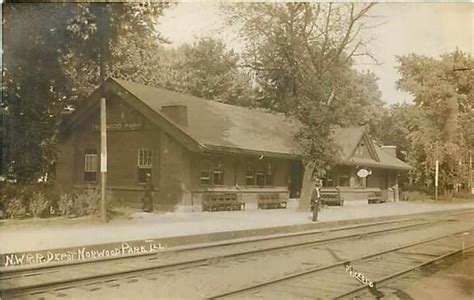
[{"x": 194, "y": 148}]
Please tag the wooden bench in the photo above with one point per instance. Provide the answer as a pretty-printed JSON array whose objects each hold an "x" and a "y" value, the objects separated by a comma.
[
  {"x": 331, "y": 198},
  {"x": 222, "y": 202},
  {"x": 376, "y": 197},
  {"x": 270, "y": 201}
]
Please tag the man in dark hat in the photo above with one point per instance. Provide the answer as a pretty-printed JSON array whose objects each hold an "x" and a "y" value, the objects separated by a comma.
[
  {"x": 148, "y": 199},
  {"x": 316, "y": 200}
]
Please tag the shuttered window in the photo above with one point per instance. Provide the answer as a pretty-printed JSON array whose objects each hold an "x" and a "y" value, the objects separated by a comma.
[{"x": 90, "y": 165}]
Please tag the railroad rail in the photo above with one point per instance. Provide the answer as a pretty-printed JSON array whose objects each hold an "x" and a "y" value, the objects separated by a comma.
[
  {"x": 336, "y": 281},
  {"x": 39, "y": 280}
]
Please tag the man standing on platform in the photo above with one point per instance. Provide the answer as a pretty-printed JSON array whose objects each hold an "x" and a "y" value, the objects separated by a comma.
[
  {"x": 148, "y": 199},
  {"x": 316, "y": 200}
]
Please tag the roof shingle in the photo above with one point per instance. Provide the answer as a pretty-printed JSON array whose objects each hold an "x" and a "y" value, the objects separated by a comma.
[{"x": 220, "y": 126}]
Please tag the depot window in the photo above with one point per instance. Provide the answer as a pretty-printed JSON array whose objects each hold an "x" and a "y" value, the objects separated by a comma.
[
  {"x": 250, "y": 175},
  {"x": 212, "y": 171},
  {"x": 218, "y": 173},
  {"x": 90, "y": 165},
  {"x": 259, "y": 174},
  {"x": 144, "y": 164}
]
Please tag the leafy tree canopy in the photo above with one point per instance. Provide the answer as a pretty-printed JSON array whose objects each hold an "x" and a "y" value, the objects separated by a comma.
[
  {"x": 205, "y": 69},
  {"x": 439, "y": 125},
  {"x": 51, "y": 60},
  {"x": 302, "y": 56}
]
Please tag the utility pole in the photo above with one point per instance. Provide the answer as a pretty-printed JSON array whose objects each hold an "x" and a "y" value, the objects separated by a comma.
[
  {"x": 103, "y": 34},
  {"x": 103, "y": 160}
]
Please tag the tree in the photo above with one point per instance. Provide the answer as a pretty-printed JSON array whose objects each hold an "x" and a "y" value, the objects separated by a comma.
[
  {"x": 443, "y": 91},
  {"x": 204, "y": 69},
  {"x": 302, "y": 56},
  {"x": 397, "y": 127},
  {"x": 122, "y": 36},
  {"x": 51, "y": 61},
  {"x": 33, "y": 90}
]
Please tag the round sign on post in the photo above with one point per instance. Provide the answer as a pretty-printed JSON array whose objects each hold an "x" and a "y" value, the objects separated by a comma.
[{"x": 362, "y": 173}]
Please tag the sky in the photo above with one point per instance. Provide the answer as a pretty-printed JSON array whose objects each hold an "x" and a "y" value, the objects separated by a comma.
[{"x": 423, "y": 28}]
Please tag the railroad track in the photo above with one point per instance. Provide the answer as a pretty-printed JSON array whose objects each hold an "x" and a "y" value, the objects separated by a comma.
[
  {"x": 338, "y": 281},
  {"x": 41, "y": 280}
]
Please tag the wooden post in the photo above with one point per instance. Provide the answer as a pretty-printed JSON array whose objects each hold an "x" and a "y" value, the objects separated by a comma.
[
  {"x": 436, "y": 180},
  {"x": 103, "y": 160}
]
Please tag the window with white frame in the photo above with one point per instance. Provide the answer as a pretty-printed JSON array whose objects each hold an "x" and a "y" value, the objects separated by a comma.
[
  {"x": 250, "y": 175},
  {"x": 218, "y": 172},
  {"x": 205, "y": 174},
  {"x": 144, "y": 164},
  {"x": 90, "y": 165},
  {"x": 212, "y": 171},
  {"x": 259, "y": 173}
]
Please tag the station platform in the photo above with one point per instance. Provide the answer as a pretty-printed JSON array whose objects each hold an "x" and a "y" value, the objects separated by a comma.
[{"x": 167, "y": 230}]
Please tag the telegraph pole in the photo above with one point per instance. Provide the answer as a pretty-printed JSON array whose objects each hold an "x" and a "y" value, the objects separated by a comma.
[
  {"x": 103, "y": 34},
  {"x": 103, "y": 161}
]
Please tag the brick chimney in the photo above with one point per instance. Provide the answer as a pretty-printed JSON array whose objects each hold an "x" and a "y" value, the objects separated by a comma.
[
  {"x": 177, "y": 113},
  {"x": 392, "y": 150}
]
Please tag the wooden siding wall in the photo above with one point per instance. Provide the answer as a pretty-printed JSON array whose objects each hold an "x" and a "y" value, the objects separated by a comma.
[
  {"x": 379, "y": 180},
  {"x": 175, "y": 183},
  {"x": 234, "y": 166},
  {"x": 176, "y": 170},
  {"x": 122, "y": 146}
]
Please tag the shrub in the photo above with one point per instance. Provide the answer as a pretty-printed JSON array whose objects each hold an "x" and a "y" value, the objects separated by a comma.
[
  {"x": 13, "y": 200},
  {"x": 15, "y": 208},
  {"x": 415, "y": 196},
  {"x": 92, "y": 202},
  {"x": 39, "y": 204},
  {"x": 463, "y": 195},
  {"x": 88, "y": 202},
  {"x": 64, "y": 202},
  {"x": 79, "y": 206},
  {"x": 38, "y": 200}
]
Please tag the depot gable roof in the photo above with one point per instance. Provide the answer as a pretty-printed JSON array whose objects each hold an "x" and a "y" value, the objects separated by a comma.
[
  {"x": 350, "y": 137},
  {"x": 215, "y": 126},
  {"x": 212, "y": 125}
]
